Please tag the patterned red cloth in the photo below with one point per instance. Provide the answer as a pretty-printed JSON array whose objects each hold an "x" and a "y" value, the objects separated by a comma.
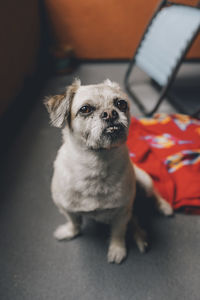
[{"x": 168, "y": 148}]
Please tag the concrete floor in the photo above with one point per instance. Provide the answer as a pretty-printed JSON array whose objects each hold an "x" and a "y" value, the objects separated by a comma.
[{"x": 34, "y": 266}]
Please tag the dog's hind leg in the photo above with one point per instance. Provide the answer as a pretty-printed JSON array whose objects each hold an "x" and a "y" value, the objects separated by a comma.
[
  {"x": 147, "y": 183},
  {"x": 139, "y": 235},
  {"x": 162, "y": 205},
  {"x": 70, "y": 229}
]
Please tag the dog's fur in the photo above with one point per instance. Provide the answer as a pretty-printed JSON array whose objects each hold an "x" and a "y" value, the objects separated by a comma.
[{"x": 93, "y": 174}]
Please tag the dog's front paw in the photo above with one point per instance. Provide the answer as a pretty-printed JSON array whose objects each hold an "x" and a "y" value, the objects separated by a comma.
[
  {"x": 66, "y": 232},
  {"x": 116, "y": 254}
]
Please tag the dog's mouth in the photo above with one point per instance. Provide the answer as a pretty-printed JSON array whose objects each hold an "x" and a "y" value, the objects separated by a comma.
[{"x": 114, "y": 130}]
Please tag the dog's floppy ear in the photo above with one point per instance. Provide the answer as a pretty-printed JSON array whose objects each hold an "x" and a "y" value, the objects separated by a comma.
[
  {"x": 112, "y": 84},
  {"x": 59, "y": 106}
]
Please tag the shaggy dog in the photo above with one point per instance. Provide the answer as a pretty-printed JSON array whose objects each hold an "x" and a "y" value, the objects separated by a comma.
[{"x": 93, "y": 175}]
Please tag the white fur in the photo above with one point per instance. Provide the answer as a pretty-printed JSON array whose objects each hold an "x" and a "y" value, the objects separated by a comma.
[{"x": 88, "y": 180}]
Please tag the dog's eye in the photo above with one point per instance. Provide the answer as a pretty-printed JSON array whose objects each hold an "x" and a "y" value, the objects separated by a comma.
[
  {"x": 86, "y": 109},
  {"x": 121, "y": 104}
]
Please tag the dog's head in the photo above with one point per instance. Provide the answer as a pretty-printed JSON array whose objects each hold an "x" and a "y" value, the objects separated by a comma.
[{"x": 97, "y": 115}]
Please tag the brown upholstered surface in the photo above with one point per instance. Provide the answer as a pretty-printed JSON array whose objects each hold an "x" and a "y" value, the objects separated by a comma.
[{"x": 19, "y": 34}]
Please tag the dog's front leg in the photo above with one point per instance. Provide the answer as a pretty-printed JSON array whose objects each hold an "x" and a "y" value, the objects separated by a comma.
[
  {"x": 117, "y": 247},
  {"x": 70, "y": 229}
]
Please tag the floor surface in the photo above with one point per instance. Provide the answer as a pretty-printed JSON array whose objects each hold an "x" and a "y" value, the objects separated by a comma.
[{"x": 34, "y": 266}]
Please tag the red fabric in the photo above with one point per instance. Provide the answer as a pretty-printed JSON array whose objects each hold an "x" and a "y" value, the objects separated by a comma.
[{"x": 168, "y": 148}]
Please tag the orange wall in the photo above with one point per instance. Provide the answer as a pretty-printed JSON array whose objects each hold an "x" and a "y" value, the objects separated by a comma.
[{"x": 99, "y": 29}]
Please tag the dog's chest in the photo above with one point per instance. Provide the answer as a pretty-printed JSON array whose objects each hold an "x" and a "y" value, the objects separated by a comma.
[
  {"x": 97, "y": 189},
  {"x": 93, "y": 186}
]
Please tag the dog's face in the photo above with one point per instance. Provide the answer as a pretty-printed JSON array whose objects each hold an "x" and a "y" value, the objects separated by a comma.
[{"x": 97, "y": 115}]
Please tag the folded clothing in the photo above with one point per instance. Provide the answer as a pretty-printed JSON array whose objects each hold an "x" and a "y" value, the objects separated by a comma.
[{"x": 167, "y": 147}]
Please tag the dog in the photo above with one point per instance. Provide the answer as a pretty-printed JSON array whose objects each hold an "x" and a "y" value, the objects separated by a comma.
[{"x": 93, "y": 174}]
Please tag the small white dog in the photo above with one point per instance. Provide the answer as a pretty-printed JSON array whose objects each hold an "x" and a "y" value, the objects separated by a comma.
[{"x": 93, "y": 175}]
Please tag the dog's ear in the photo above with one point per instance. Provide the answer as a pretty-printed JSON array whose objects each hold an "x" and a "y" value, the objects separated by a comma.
[
  {"x": 59, "y": 106},
  {"x": 112, "y": 84}
]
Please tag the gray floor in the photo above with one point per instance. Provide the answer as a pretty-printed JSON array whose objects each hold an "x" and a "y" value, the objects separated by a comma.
[{"x": 35, "y": 266}]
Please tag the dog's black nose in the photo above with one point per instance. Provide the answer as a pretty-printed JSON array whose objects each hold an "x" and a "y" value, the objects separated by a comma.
[{"x": 110, "y": 116}]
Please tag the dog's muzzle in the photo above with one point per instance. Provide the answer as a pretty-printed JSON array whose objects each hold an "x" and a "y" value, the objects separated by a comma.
[{"x": 114, "y": 131}]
